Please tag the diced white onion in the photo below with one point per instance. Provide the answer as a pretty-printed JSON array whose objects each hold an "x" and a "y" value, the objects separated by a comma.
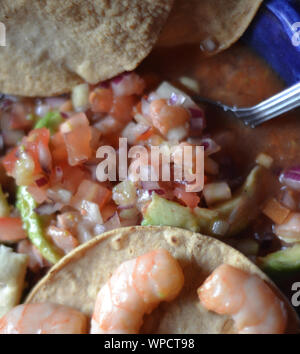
[
  {"x": 264, "y": 160},
  {"x": 145, "y": 107},
  {"x": 108, "y": 125},
  {"x": 189, "y": 83},
  {"x": 90, "y": 212},
  {"x": 177, "y": 134},
  {"x": 59, "y": 195},
  {"x": 80, "y": 97},
  {"x": 216, "y": 192},
  {"x": 153, "y": 96},
  {"x": 132, "y": 131},
  {"x": 42, "y": 109},
  {"x": 83, "y": 233},
  {"x": 220, "y": 227},
  {"x": 165, "y": 90},
  {"x": 45, "y": 158},
  {"x": 288, "y": 200}
]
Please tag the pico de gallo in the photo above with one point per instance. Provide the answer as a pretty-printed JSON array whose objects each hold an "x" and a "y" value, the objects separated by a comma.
[{"x": 51, "y": 200}]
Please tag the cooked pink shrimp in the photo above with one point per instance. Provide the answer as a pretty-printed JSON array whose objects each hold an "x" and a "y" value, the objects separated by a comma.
[
  {"x": 135, "y": 289},
  {"x": 43, "y": 318},
  {"x": 247, "y": 298}
]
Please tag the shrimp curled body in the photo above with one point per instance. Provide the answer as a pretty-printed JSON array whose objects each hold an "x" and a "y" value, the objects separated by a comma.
[
  {"x": 247, "y": 298},
  {"x": 136, "y": 288},
  {"x": 43, "y": 318}
]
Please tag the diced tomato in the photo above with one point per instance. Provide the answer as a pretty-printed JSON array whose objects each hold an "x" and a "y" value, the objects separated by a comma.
[
  {"x": 77, "y": 136},
  {"x": 11, "y": 229},
  {"x": 33, "y": 144},
  {"x": 101, "y": 100},
  {"x": 145, "y": 136},
  {"x": 277, "y": 212},
  {"x": 39, "y": 194},
  {"x": 108, "y": 211},
  {"x": 10, "y": 160},
  {"x": 58, "y": 148},
  {"x": 93, "y": 192},
  {"x": 165, "y": 117},
  {"x": 190, "y": 199},
  {"x": 96, "y": 135},
  {"x": 123, "y": 108},
  {"x": 63, "y": 239},
  {"x": 72, "y": 177}
]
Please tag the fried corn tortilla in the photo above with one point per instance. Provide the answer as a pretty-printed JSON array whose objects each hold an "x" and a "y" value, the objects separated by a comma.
[
  {"x": 77, "y": 278},
  {"x": 53, "y": 45},
  {"x": 213, "y": 24}
]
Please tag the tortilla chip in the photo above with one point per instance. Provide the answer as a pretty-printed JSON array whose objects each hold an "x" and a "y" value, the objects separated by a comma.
[
  {"x": 77, "y": 278},
  {"x": 54, "y": 45},
  {"x": 213, "y": 24}
]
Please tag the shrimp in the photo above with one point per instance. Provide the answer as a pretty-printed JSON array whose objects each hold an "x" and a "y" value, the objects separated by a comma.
[
  {"x": 170, "y": 121},
  {"x": 43, "y": 318},
  {"x": 135, "y": 289},
  {"x": 251, "y": 302}
]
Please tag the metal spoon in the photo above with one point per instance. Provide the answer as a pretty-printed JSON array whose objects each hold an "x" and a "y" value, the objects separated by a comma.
[{"x": 273, "y": 107}]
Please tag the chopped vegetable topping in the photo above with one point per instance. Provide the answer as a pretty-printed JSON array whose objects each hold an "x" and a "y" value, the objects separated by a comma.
[
  {"x": 62, "y": 204},
  {"x": 51, "y": 121},
  {"x": 33, "y": 225},
  {"x": 275, "y": 211},
  {"x": 11, "y": 229}
]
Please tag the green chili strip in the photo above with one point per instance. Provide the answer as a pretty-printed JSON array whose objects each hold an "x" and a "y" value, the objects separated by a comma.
[
  {"x": 26, "y": 203},
  {"x": 51, "y": 121},
  {"x": 33, "y": 225}
]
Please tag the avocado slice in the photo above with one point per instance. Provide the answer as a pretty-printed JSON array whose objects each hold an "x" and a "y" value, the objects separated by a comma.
[
  {"x": 242, "y": 209},
  {"x": 238, "y": 211},
  {"x": 163, "y": 212},
  {"x": 284, "y": 261},
  {"x": 206, "y": 219}
]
